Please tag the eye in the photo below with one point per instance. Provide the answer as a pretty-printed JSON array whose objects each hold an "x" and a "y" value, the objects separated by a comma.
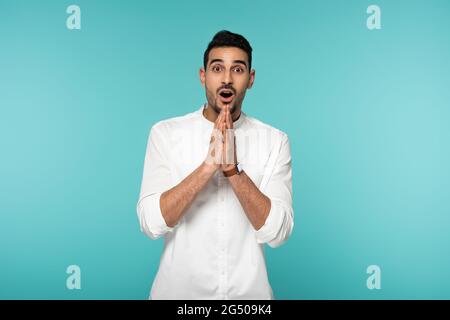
[
  {"x": 238, "y": 69},
  {"x": 216, "y": 68}
]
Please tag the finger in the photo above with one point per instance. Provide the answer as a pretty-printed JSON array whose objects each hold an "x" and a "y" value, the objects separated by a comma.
[
  {"x": 230, "y": 147},
  {"x": 219, "y": 119},
  {"x": 222, "y": 129},
  {"x": 224, "y": 114},
  {"x": 228, "y": 118},
  {"x": 224, "y": 132},
  {"x": 235, "y": 154}
]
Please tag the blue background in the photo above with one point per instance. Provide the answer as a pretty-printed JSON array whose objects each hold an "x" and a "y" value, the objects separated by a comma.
[{"x": 367, "y": 114}]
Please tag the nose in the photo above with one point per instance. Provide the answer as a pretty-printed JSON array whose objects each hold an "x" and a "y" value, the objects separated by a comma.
[{"x": 227, "y": 78}]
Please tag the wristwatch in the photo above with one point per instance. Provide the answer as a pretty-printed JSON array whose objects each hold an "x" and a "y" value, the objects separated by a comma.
[{"x": 235, "y": 170}]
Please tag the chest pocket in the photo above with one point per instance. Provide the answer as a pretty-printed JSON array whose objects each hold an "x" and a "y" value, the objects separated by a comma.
[
  {"x": 253, "y": 150},
  {"x": 255, "y": 167},
  {"x": 255, "y": 173}
]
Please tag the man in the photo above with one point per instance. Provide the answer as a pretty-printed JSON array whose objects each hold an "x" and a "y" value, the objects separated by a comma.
[{"x": 217, "y": 185}]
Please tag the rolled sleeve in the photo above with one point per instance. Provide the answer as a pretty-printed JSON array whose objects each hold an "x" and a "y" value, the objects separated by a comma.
[
  {"x": 155, "y": 180},
  {"x": 280, "y": 221},
  {"x": 278, "y": 226},
  {"x": 151, "y": 220}
]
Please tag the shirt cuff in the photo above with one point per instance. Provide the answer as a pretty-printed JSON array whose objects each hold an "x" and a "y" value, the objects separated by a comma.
[
  {"x": 272, "y": 225},
  {"x": 152, "y": 220}
]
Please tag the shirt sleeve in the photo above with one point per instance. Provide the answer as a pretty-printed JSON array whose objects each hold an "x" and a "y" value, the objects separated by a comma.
[
  {"x": 156, "y": 179},
  {"x": 280, "y": 221}
]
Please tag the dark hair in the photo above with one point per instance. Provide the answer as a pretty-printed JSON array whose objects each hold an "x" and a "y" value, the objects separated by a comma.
[{"x": 226, "y": 38}]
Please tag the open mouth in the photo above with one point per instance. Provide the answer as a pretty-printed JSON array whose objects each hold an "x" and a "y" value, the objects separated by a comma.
[{"x": 226, "y": 96}]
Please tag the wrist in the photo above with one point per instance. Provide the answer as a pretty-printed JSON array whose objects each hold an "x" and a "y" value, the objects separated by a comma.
[
  {"x": 226, "y": 167},
  {"x": 209, "y": 167},
  {"x": 231, "y": 170}
]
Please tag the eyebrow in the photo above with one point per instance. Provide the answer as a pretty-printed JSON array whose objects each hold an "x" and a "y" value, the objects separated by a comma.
[{"x": 234, "y": 61}]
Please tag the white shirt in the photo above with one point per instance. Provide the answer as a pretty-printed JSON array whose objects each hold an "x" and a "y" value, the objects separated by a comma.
[{"x": 214, "y": 252}]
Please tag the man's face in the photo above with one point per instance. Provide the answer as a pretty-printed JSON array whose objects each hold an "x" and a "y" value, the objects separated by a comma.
[{"x": 226, "y": 78}]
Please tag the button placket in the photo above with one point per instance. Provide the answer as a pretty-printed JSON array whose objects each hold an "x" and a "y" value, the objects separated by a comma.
[{"x": 222, "y": 237}]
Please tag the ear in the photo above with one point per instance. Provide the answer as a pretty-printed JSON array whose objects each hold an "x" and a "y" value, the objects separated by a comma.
[
  {"x": 202, "y": 74},
  {"x": 252, "y": 79}
]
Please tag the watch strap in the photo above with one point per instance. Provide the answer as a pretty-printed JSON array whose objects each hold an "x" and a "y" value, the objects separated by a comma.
[{"x": 232, "y": 171}]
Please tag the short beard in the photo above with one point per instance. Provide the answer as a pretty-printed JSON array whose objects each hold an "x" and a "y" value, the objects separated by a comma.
[
  {"x": 213, "y": 103},
  {"x": 215, "y": 106}
]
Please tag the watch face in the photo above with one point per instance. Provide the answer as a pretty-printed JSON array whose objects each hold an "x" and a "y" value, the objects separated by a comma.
[{"x": 239, "y": 168}]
